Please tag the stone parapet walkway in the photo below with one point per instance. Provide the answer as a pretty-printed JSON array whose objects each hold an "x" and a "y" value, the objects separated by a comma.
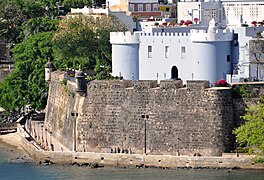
[{"x": 41, "y": 137}]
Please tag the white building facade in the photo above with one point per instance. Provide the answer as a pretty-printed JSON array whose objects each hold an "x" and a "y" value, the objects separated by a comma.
[{"x": 198, "y": 52}]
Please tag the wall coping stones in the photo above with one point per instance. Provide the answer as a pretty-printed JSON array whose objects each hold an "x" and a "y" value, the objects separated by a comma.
[{"x": 199, "y": 85}]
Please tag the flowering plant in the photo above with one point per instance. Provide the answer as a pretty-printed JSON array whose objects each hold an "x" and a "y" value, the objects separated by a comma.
[
  {"x": 221, "y": 83},
  {"x": 182, "y": 22},
  {"x": 164, "y": 23},
  {"x": 196, "y": 20},
  {"x": 254, "y": 23},
  {"x": 188, "y": 22}
]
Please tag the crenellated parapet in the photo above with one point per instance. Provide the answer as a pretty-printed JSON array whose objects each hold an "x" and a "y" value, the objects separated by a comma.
[
  {"x": 164, "y": 34},
  {"x": 211, "y": 35},
  {"x": 124, "y": 38}
]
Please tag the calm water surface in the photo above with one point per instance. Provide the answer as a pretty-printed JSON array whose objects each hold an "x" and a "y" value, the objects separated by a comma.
[{"x": 25, "y": 171}]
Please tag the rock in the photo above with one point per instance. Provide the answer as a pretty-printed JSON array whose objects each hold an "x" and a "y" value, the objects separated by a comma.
[
  {"x": 84, "y": 164},
  {"x": 140, "y": 166},
  {"x": 47, "y": 162},
  {"x": 95, "y": 165},
  {"x": 75, "y": 163}
]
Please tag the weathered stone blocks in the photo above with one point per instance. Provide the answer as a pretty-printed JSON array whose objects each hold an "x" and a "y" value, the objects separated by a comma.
[{"x": 137, "y": 116}]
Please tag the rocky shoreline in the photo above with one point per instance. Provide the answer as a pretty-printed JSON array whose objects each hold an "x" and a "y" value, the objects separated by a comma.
[{"x": 17, "y": 149}]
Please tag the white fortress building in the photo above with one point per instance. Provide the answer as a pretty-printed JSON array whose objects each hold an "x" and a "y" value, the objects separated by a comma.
[
  {"x": 210, "y": 50},
  {"x": 197, "y": 54}
]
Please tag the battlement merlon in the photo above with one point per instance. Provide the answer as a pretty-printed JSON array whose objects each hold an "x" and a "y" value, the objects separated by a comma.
[
  {"x": 124, "y": 38},
  {"x": 218, "y": 35}
]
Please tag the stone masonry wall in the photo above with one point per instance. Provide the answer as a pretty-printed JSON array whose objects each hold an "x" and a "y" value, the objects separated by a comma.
[{"x": 113, "y": 114}]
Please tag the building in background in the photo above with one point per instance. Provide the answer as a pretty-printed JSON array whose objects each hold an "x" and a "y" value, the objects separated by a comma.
[
  {"x": 225, "y": 12},
  {"x": 140, "y": 8}
]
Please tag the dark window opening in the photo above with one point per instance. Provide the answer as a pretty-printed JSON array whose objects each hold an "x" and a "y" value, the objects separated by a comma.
[{"x": 228, "y": 58}]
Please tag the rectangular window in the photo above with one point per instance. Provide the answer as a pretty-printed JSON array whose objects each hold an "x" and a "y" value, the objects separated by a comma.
[
  {"x": 183, "y": 51},
  {"x": 228, "y": 58},
  {"x": 148, "y": 7},
  {"x": 140, "y": 7},
  {"x": 166, "y": 51},
  {"x": 131, "y": 7},
  {"x": 155, "y": 7},
  {"x": 149, "y": 51}
]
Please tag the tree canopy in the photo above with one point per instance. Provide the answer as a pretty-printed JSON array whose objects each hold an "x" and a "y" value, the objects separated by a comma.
[
  {"x": 26, "y": 83},
  {"x": 251, "y": 133},
  {"x": 84, "y": 40},
  {"x": 35, "y": 34}
]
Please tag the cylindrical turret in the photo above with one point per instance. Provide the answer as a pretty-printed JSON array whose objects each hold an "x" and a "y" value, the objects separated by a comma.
[
  {"x": 48, "y": 69},
  {"x": 125, "y": 55},
  {"x": 80, "y": 81},
  {"x": 212, "y": 51}
]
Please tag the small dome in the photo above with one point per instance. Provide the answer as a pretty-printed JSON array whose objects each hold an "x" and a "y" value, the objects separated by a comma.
[
  {"x": 49, "y": 65},
  {"x": 79, "y": 74}
]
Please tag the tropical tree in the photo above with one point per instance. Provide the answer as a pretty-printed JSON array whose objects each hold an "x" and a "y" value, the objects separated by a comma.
[
  {"x": 251, "y": 134},
  {"x": 26, "y": 85},
  {"x": 37, "y": 25},
  {"x": 84, "y": 40},
  {"x": 68, "y": 4},
  {"x": 12, "y": 16},
  {"x": 16, "y": 15}
]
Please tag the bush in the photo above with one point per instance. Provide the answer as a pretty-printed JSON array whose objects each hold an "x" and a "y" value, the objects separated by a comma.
[{"x": 259, "y": 159}]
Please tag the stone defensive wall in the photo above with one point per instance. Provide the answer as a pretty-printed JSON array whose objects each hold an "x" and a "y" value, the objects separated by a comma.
[
  {"x": 134, "y": 160},
  {"x": 141, "y": 117}
]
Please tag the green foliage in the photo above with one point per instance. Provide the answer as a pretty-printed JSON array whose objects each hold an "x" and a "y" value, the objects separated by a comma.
[
  {"x": 84, "y": 41},
  {"x": 26, "y": 85},
  {"x": 29, "y": 25},
  {"x": 259, "y": 159},
  {"x": 15, "y": 13},
  {"x": 251, "y": 133},
  {"x": 242, "y": 91},
  {"x": 37, "y": 25},
  {"x": 68, "y": 4}
]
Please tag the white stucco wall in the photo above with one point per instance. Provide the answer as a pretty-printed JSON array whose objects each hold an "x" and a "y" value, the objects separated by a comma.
[{"x": 158, "y": 64}]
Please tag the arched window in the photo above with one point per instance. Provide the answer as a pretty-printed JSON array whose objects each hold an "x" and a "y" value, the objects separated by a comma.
[{"x": 174, "y": 72}]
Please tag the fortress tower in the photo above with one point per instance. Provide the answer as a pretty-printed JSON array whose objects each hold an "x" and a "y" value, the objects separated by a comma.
[
  {"x": 185, "y": 53},
  {"x": 125, "y": 57},
  {"x": 212, "y": 49}
]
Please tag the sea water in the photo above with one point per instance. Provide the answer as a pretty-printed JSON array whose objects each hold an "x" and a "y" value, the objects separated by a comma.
[{"x": 29, "y": 171}]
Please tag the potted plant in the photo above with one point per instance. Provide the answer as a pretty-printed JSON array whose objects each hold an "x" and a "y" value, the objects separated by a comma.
[{"x": 196, "y": 20}]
